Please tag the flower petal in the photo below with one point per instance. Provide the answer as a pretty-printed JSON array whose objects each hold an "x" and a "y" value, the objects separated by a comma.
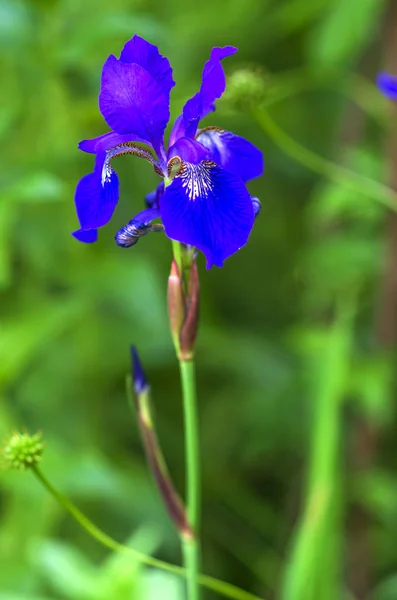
[
  {"x": 232, "y": 152},
  {"x": 387, "y": 84},
  {"x": 88, "y": 236},
  {"x": 188, "y": 150},
  {"x": 212, "y": 87},
  {"x": 140, "y": 225},
  {"x": 106, "y": 141},
  {"x": 131, "y": 101},
  {"x": 209, "y": 208},
  {"x": 141, "y": 52},
  {"x": 97, "y": 195},
  {"x": 152, "y": 200}
]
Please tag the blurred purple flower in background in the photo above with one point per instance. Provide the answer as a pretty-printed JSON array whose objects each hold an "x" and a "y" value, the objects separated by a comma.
[
  {"x": 387, "y": 84},
  {"x": 203, "y": 200}
]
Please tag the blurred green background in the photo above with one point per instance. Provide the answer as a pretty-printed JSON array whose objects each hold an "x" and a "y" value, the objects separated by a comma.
[{"x": 296, "y": 350}]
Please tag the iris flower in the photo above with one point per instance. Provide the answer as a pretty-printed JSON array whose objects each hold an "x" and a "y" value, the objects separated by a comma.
[
  {"x": 203, "y": 200},
  {"x": 387, "y": 84}
]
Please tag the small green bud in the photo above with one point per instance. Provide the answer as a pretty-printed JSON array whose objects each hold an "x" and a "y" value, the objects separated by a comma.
[
  {"x": 245, "y": 87},
  {"x": 23, "y": 451}
]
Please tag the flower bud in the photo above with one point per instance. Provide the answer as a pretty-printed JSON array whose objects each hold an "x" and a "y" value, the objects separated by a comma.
[
  {"x": 23, "y": 451},
  {"x": 138, "y": 374},
  {"x": 188, "y": 332},
  {"x": 183, "y": 308},
  {"x": 176, "y": 304},
  {"x": 155, "y": 459}
]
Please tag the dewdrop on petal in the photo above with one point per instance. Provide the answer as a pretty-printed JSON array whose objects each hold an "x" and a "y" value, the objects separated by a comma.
[{"x": 22, "y": 451}]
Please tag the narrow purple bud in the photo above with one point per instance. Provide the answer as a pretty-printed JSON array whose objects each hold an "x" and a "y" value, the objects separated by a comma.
[{"x": 138, "y": 374}]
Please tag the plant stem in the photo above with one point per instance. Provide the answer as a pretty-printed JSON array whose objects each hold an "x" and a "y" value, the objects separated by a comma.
[
  {"x": 191, "y": 545},
  {"x": 227, "y": 590},
  {"x": 356, "y": 182}
]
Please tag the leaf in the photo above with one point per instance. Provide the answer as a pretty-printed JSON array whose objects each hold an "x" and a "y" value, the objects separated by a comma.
[
  {"x": 67, "y": 570},
  {"x": 344, "y": 31}
]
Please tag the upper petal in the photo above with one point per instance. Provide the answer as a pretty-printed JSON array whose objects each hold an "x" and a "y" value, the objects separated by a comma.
[
  {"x": 97, "y": 195},
  {"x": 209, "y": 208},
  {"x": 132, "y": 102},
  {"x": 141, "y": 52},
  {"x": 387, "y": 84},
  {"x": 233, "y": 153},
  {"x": 188, "y": 150},
  {"x": 212, "y": 87}
]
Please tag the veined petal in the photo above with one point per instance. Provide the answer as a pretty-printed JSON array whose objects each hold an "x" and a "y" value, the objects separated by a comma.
[
  {"x": 97, "y": 195},
  {"x": 232, "y": 152},
  {"x": 189, "y": 150},
  {"x": 141, "y": 52},
  {"x": 131, "y": 101},
  {"x": 387, "y": 84},
  {"x": 140, "y": 225},
  {"x": 209, "y": 208},
  {"x": 106, "y": 141},
  {"x": 212, "y": 87},
  {"x": 88, "y": 236}
]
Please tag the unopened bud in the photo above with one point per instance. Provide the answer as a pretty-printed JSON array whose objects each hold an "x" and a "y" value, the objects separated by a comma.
[
  {"x": 176, "y": 304},
  {"x": 183, "y": 308},
  {"x": 23, "y": 451},
  {"x": 140, "y": 393},
  {"x": 138, "y": 374},
  {"x": 188, "y": 332}
]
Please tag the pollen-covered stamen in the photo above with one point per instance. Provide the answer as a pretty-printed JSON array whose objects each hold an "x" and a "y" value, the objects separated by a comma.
[
  {"x": 197, "y": 179},
  {"x": 174, "y": 167},
  {"x": 127, "y": 148}
]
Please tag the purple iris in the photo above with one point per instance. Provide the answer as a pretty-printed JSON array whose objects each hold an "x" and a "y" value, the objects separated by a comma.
[
  {"x": 387, "y": 84},
  {"x": 202, "y": 200}
]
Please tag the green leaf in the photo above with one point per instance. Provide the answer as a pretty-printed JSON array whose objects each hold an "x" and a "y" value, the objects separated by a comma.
[{"x": 344, "y": 31}]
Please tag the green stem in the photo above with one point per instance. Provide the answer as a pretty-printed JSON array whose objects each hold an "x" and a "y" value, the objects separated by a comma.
[
  {"x": 191, "y": 545},
  {"x": 227, "y": 590},
  {"x": 350, "y": 179},
  {"x": 309, "y": 570}
]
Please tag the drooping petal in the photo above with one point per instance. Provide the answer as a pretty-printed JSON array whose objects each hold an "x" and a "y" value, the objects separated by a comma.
[
  {"x": 209, "y": 208},
  {"x": 387, "y": 84},
  {"x": 106, "y": 141},
  {"x": 97, "y": 195},
  {"x": 88, "y": 236},
  {"x": 152, "y": 200},
  {"x": 131, "y": 101},
  {"x": 140, "y": 225},
  {"x": 232, "y": 152},
  {"x": 212, "y": 87},
  {"x": 189, "y": 150},
  {"x": 141, "y": 52}
]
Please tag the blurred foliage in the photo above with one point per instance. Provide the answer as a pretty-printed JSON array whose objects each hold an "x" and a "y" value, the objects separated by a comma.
[{"x": 269, "y": 364}]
